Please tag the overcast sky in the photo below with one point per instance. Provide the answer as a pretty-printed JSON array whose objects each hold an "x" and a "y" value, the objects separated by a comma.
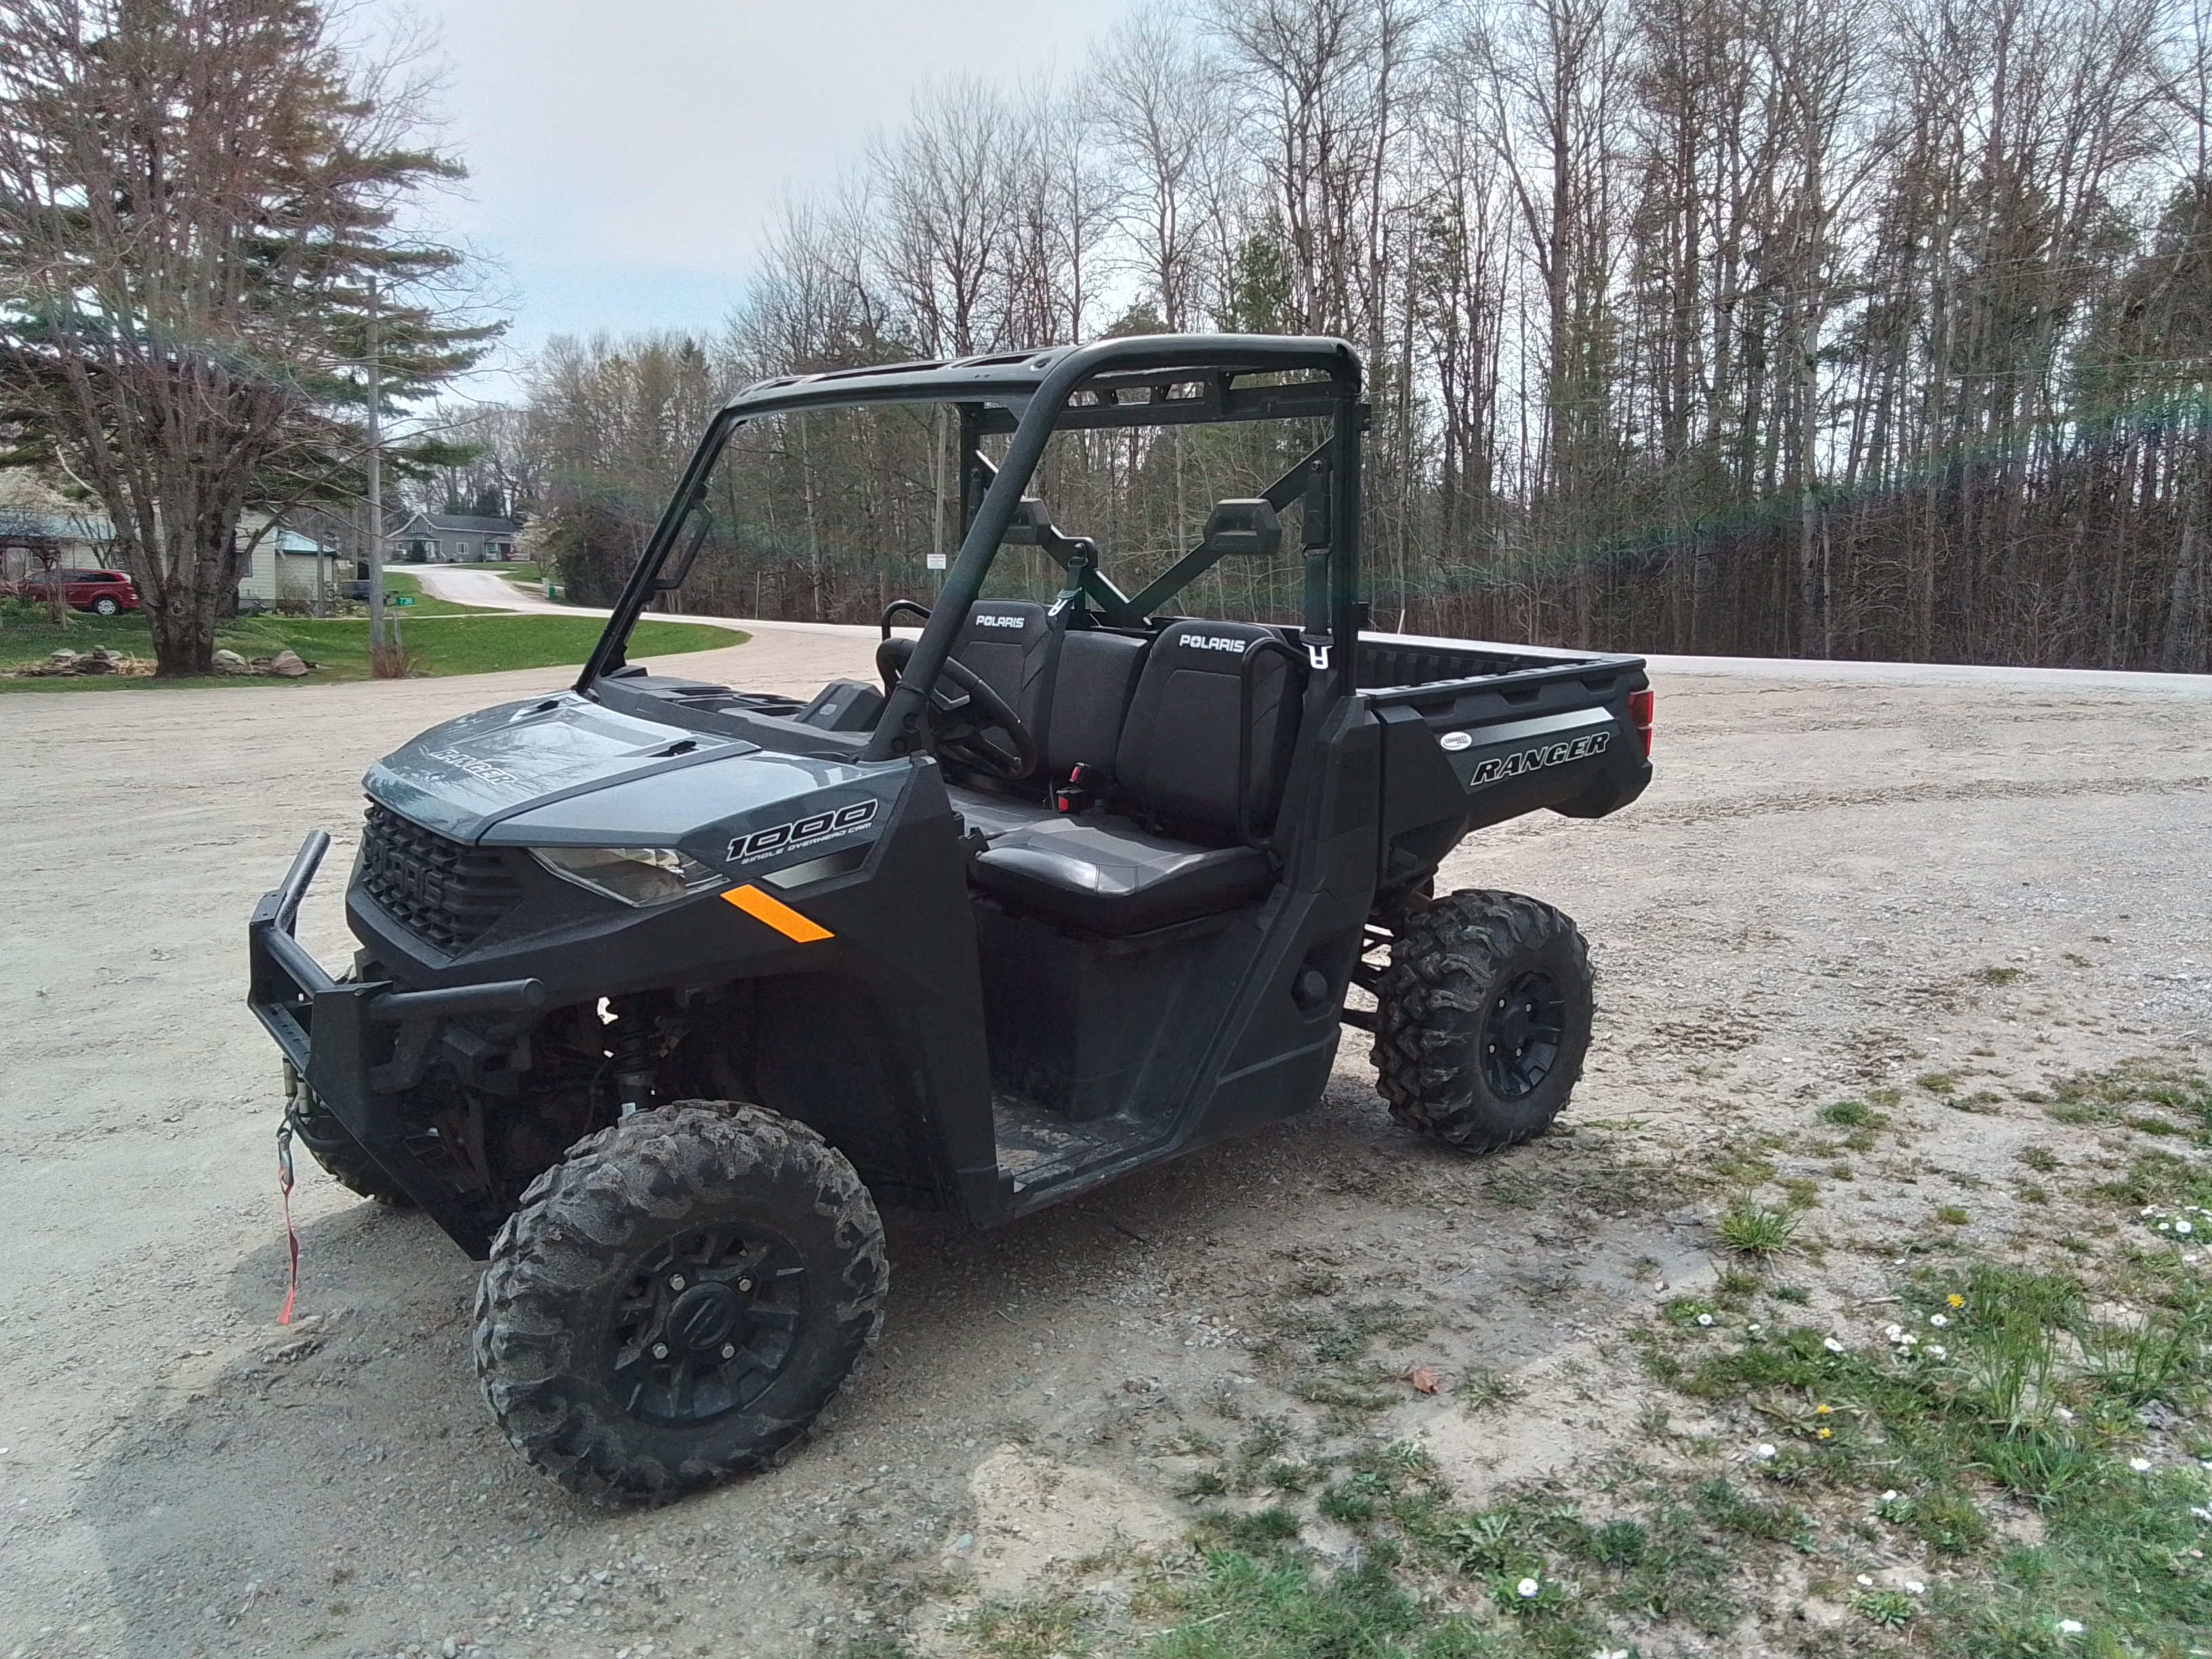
[{"x": 625, "y": 155}]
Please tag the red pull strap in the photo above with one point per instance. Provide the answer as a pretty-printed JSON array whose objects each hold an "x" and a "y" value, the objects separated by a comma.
[{"x": 284, "y": 1187}]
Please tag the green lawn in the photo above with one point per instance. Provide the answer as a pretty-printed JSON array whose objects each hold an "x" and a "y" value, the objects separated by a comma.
[{"x": 458, "y": 641}]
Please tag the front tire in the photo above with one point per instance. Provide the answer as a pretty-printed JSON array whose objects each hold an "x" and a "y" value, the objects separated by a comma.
[
  {"x": 1483, "y": 1019},
  {"x": 107, "y": 608},
  {"x": 679, "y": 1299}
]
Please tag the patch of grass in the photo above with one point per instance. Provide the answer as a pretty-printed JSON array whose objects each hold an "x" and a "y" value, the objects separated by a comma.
[
  {"x": 481, "y": 642},
  {"x": 1952, "y": 1215},
  {"x": 1337, "y": 1374},
  {"x": 1029, "y": 1630},
  {"x": 1753, "y": 1230},
  {"x": 2122, "y": 1094},
  {"x": 1938, "y": 1083},
  {"x": 1992, "y": 1415},
  {"x": 1850, "y": 1114},
  {"x": 1999, "y": 976},
  {"x": 1478, "y": 1390},
  {"x": 2041, "y": 1159},
  {"x": 1890, "y": 1609}
]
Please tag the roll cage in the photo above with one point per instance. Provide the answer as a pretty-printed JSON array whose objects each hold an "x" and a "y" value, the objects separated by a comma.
[{"x": 1147, "y": 380}]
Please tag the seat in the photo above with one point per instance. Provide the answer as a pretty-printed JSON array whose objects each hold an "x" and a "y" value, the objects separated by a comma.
[
  {"x": 1105, "y": 875},
  {"x": 1080, "y": 705},
  {"x": 1199, "y": 766},
  {"x": 1011, "y": 645}
]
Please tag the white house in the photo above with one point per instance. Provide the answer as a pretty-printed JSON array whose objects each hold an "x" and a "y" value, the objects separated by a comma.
[{"x": 284, "y": 567}]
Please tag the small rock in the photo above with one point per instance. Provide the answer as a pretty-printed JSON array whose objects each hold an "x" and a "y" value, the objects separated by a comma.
[
  {"x": 286, "y": 664},
  {"x": 229, "y": 662}
]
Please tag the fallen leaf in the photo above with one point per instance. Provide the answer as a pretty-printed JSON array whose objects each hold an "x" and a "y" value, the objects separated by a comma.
[{"x": 1424, "y": 1379}]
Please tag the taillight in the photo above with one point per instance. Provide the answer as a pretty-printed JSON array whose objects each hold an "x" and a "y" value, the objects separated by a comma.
[{"x": 1639, "y": 716}]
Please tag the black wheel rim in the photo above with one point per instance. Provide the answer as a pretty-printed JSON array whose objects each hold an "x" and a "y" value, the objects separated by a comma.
[
  {"x": 705, "y": 1324},
  {"x": 1526, "y": 1023}
]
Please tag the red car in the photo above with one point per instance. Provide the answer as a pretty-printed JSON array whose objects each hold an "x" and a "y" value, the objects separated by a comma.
[{"x": 104, "y": 592}]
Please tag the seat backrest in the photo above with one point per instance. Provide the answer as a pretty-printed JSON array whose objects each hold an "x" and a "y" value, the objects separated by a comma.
[
  {"x": 1092, "y": 686},
  {"x": 1010, "y": 645},
  {"x": 1183, "y": 744}
]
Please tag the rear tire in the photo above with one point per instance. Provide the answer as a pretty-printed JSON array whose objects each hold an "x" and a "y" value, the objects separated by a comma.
[
  {"x": 345, "y": 1159},
  {"x": 1483, "y": 1019},
  {"x": 679, "y": 1299},
  {"x": 106, "y": 607}
]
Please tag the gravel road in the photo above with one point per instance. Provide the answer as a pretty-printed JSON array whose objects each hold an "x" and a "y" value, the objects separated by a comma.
[{"x": 1803, "y": 904}]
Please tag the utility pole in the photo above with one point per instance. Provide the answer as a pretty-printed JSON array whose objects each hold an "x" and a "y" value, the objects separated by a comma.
[{"x": 375, "y": 493}]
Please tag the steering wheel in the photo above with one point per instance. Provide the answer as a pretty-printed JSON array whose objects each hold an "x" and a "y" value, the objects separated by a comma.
[{"x": 958, "y": 722}]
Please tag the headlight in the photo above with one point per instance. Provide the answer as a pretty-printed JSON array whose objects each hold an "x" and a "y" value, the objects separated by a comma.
[{"x": 635, "y": 875}]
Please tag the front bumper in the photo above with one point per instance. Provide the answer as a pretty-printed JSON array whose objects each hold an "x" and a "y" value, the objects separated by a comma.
[{"x": 362, "y": 1045}]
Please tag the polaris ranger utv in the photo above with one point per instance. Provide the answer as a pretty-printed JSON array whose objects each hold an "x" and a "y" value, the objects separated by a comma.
[{"x": 663, "y": 987}]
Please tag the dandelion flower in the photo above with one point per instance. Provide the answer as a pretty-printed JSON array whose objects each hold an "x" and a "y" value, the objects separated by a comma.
[
  {"x": 1528, "y": 1590},
  {"x": 1832, "y": 1345},
  {"x": 1823, "y": 1411},
  {"x": 2140, "y": 1465},
  {"x": 1826, "y": 1434},
  {"x": 1956, "y": 1300},
  {"x": 2071, "y": 1626}
]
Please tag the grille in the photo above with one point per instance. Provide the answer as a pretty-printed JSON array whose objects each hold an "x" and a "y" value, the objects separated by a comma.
[{"x": 444, "y": 893}]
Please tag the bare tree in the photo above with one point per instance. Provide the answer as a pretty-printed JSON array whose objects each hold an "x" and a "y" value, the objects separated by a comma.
[{"x": 192, "y": 195}]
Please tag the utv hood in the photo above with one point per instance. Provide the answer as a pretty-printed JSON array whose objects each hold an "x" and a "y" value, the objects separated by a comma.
[{"x": 461, "y": 778}]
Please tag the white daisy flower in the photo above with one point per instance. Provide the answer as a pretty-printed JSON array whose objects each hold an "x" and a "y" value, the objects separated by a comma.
[
  {"x": 1528, "y": 1588},
  {"x": 1832, "y": 1345},
  {"x": 2140, "y": 1465},
  {"x": 2071, "y": 1626}
]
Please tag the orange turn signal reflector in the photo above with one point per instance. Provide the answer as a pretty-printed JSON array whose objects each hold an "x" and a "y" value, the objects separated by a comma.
[{"x": 762, "y": 907}]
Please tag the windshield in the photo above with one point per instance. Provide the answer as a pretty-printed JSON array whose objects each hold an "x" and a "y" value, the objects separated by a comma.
[{"x": 831, "y": 515}]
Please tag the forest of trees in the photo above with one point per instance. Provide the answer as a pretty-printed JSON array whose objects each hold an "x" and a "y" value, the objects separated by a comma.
[{"x": 1798, "y": 327}]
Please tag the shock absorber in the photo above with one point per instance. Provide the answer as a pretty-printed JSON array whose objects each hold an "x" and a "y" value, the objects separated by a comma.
[{"x": 632, "y": 1039}]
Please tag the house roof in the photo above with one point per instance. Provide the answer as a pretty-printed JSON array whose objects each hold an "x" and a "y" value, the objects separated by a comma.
[{"x": 459, "y": 523}]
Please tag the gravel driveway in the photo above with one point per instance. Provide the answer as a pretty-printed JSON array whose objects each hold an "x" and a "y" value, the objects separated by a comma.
[{"x": 1800, "y": 905}]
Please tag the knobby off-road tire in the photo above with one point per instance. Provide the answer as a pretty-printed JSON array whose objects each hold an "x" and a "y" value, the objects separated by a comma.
[
  {"x": 315, "y": 1127},
  {"x": 1483, "y": 1019},
  {"x": 679, "y": 1299}
]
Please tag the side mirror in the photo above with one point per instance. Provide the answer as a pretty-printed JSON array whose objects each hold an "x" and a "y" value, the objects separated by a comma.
[
  {"x": 1028, "y": 525},
  {"x": 1249, "y": 527}
]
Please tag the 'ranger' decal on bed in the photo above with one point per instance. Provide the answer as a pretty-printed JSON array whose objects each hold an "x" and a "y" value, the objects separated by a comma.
[{"x": 1530, "y": 760}]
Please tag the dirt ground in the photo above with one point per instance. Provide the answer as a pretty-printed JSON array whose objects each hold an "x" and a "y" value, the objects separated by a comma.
[{"x": 1801, "y": 907}]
